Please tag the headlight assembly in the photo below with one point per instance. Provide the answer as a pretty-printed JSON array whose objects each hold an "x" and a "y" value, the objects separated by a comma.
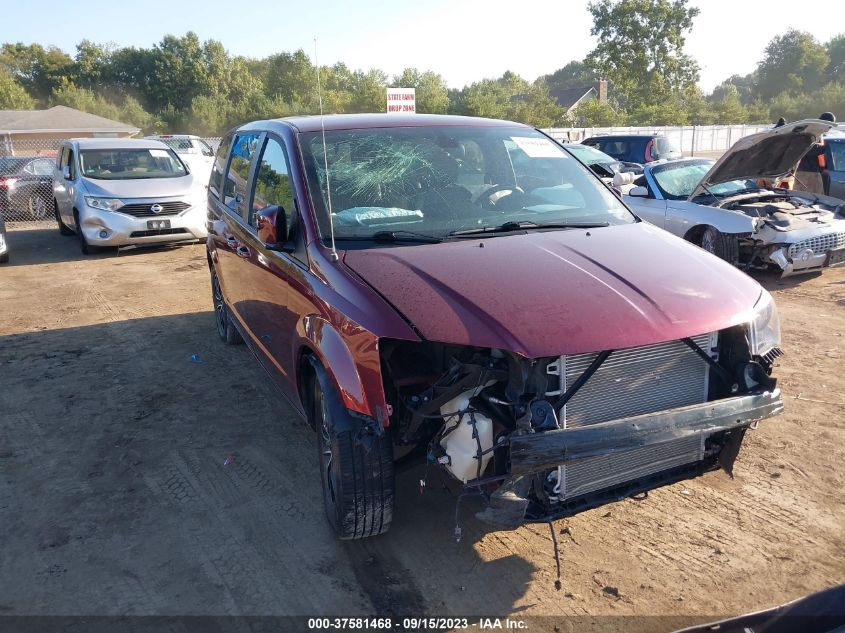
[
  {"x": 764, "y": 327},
  {"x": 104, "y": 204}
]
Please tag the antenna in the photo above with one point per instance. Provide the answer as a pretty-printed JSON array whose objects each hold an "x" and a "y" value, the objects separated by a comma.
[{"x": 334, "y": 256}]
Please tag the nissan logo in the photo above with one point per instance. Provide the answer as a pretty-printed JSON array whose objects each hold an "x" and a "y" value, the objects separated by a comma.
[{"x": 156, "y": 208}]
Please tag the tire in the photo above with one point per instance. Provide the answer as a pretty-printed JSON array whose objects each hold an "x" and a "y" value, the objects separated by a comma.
[
  {"x": 226, "y": 330},
  {"x": 723, "y": 246},
  {"x": 37, "y": 207},
  {"x": 64, "y": 229},
  {"x": 85, "y": 247},
  {"x": 358, "y": 484}
]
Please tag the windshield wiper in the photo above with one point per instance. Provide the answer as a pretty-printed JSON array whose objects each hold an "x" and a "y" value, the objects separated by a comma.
[
  {"x": 509, "y": 227},
  {"x": 394, "y": 236}
]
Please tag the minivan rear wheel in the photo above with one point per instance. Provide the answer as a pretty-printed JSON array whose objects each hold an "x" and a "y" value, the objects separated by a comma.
[
  {"x": 223, "y": 320},
  {"x": 358, "y": 484}
]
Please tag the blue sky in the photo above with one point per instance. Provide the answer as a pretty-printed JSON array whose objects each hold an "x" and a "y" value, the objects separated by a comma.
[{"x": 463, "y": 40}]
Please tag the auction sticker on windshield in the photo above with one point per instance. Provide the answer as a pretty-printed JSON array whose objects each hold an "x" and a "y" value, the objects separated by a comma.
[{"x": 538, "y": 147}]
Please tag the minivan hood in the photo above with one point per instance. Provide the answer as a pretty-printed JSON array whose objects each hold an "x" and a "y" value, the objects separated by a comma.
[
  {"x": 560, "y": 292},
  {"x": 772, "y": 154},
  {"x": 141, "y": 187}
]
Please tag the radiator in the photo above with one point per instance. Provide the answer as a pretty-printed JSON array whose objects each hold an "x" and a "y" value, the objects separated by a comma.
[{"x": 630, "y": 382}]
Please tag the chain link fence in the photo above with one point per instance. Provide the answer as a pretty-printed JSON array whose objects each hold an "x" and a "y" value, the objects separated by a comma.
[
  {"x": 27, "y": 169},
  {"x": 26, "y": 181}
]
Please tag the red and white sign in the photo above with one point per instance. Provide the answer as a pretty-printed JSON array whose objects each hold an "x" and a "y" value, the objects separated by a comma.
[{"x": 401, "y": 100}]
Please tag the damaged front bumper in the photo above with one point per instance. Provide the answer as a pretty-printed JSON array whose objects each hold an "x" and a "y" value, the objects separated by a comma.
[
  {"x": 807, "y": 262},
  {"x": 542, "y": 451},
  {"x": 533, "y": 456}
]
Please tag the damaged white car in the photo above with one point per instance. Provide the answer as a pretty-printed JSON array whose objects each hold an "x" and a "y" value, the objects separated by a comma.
[{"x": 729, "y": 209}]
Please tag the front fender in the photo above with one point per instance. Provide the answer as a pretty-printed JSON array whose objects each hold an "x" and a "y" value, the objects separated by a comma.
[
  {"x": 350, "y": 356},
  {"x": 683, "y": 216}
]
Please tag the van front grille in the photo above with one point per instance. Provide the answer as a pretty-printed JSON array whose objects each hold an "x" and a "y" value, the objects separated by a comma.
[
  {"x": 145, "y": 209},
  {"x": 631, "y": 382}
]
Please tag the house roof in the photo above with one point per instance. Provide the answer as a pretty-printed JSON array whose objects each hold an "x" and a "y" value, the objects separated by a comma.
[
  {"x": 59, "y": 119},
  {"x": 568, "y": 97}
]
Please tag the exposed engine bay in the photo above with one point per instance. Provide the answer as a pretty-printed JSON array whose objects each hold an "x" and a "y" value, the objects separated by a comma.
[
  {"x": 501, "y": 424},
  {"x": 794, "y": 232},
  {"x": 782, "y": 212}
]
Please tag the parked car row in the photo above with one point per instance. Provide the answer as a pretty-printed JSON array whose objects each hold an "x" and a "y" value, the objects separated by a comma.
[{"x": 466, "y": 292}]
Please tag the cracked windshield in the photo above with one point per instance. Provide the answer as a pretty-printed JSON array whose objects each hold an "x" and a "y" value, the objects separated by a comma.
[{"x": 437, "y": 182}]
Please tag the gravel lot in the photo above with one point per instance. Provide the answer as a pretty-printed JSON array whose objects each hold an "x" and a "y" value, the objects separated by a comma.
[{"x": 135, "y": 481}]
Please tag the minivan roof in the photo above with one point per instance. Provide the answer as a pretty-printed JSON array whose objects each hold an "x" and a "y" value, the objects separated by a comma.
[
  {"x": 118, "y": 143},
  {"x": 381, "y": 120}
]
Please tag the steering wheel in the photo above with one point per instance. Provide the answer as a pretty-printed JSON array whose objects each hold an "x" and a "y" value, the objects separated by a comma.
[{"x": 485, "y": 198}]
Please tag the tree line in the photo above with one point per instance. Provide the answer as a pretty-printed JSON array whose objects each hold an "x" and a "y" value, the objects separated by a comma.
[{"x": 183, "y": 84}]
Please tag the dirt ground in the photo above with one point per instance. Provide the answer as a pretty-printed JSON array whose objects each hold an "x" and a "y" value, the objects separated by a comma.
[{"x": 137, "y": 481}]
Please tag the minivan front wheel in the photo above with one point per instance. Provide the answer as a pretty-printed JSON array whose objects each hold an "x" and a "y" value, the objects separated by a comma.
[
  {"x": 358, "y": 485},
  {"x": 64, "y": 229},
  {"x": 85, "y": 247},
  {"x": 223, "y": 320}
]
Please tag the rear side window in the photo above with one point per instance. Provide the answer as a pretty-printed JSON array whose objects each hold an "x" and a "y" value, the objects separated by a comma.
[
  {"x": 614, "y": 147},
  {"x": 42, "y": 167},
  {"x": 837, "y": 156},
  {"x": 205, "y": 148},
  {"x": 215, "y": 185},
  {"x": 665, "y": 148}
]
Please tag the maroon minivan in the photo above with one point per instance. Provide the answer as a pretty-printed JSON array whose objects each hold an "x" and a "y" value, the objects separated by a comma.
[{"x": 465, "y": 292}]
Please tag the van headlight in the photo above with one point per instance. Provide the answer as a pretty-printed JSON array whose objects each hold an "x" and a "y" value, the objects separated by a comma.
[
  {"x": 764, "y": 327},
  {"x": 104, "y": 204}
]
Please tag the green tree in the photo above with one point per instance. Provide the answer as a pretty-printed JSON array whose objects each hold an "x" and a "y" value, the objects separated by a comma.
[
  {"x": 292, "y": 77},
  {"x": 793, "y": 62},
  {"x": 128, "y": 111},
  {"x": 511, "y": 97},
  {"x": 641, "y": 50},
  {"x": 836, "y": 52},
  {"x": 92, "y": 64},
  {"x": 13, "y": 96},
  {"x": 596, "y": 114},
  {"x": 36, "y": 68},
  {"x": 183, "y": 68},
  {"x": 728, "y": 109},
  {"x": 574, "y": 75},
  {"x": 742, "y": 84},
  {"x": 431, "y": 92}
]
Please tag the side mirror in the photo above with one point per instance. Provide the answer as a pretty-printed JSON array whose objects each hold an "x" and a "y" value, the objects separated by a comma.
[
  {"x": 272, "y": 227},
  {"x": 66, "y": 172},
  {"x": 638, "y": 192}
]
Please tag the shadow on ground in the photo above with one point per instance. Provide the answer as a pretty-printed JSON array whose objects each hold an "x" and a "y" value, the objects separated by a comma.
[
  {"x": 29, "y": 246},
  {"x": 136, "y": 481}
]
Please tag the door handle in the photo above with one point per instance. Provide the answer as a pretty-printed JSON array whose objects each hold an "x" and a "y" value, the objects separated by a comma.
[{"x": 242, "y": 251}]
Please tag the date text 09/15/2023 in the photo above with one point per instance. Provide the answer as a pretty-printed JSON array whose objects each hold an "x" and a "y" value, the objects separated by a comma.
[{"x": 415, "y": 624}]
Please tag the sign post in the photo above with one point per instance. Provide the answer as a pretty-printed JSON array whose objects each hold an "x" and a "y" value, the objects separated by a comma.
[{"x": 401, "y": 100}]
